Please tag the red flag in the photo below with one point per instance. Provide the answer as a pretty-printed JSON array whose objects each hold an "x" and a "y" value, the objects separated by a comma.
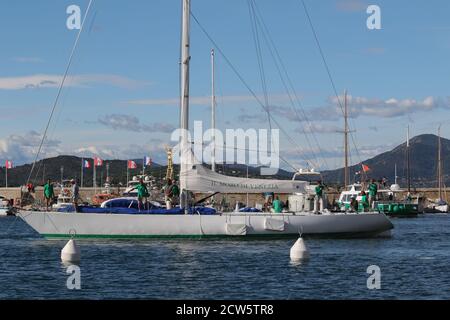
[
  {"x": 365, "y": 168},
  {"x": 132, "y": 164},
  {"x": 98, "y": 162},
  {"x": 8, "y": 164}
]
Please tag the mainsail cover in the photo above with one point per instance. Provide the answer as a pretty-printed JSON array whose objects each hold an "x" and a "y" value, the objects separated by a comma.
[{"x": 201, "y": 179}]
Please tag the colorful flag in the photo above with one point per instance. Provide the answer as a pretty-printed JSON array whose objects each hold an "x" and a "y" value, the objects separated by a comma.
[
  {"x": 132, "y": 164},
  {"x": 147, "y": 161},
  {"x": 365, "y": 168},
  {"x": 86, "y": 164},
  {"x": 8, "y": 164},
  {"x": 98, "y": 162}
]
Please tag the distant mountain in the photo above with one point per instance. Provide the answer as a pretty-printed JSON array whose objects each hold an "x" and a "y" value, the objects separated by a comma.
[
  {"x": 51, "y": 168},
  {"x": 423, "y": 160},
  {"x": 423, "y": 163}
]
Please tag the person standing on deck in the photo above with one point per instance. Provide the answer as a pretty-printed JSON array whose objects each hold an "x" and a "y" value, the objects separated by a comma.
[
  {"x": 175, "y": 193},
  {"x": 48, "y": 193},
  {"x": 142, "y": 193},
  {"x": 364, "y": 202},
  {"x": 75, "y": 194},
  {"x": 168, "y": 194},
  {"x": 277, "y": 205},
  {"x": 318, "y": 199},
  {"x": 373, "y": 190}
]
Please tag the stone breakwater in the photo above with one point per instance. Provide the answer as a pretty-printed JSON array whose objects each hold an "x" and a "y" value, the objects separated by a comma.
[{"x": 230, "y": 198}]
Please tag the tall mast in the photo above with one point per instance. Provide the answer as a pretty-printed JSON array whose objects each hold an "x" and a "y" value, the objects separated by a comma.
[
  {"x": 82, "y": 172},
  {"x": 408, "y": 175},
  {"x": 213, "y": 113},
  {"x": 184, "y": 112},
  {"x": 395, "y": 172},
  {"x": 346, "y": 175},
  {"x": 439, "y": 168}
]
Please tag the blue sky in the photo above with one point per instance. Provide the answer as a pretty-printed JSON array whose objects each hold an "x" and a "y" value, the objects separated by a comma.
[{"x": 120, "y": 100}]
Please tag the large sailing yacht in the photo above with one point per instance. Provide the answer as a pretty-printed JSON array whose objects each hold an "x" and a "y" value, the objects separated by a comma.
[{"x": 191, "y": 222}]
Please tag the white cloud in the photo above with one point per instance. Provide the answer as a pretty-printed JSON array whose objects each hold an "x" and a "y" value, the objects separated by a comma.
[
  {"x": 388, "y": 108},
  {"x": 313, "y": 127},
  {"x": 362, "y": 107},
  {"x": 53, "y": 81},
  {"x": 23, "y": 148},
  {"x": 206, "y": 100},
  {"x": 132, "y": 123},
  {"x": 132, "y": 151}
]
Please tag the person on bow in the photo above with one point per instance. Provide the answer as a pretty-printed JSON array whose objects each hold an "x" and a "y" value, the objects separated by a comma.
[
  {"x": 373, "y": 190},
  {"x": 364, "y": 201},
  {"x": 142, "y": 193},
  {"x": 277, "y": 205},
  {"x": 49, "y": 193},
  {"x": 75, "y": 195},
  {"x": 353, "y": 204},
  {"x": 318, "y": 199}
]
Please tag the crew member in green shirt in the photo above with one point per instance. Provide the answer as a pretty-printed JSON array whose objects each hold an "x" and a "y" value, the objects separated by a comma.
[
  {"x": 364, "y": 202},
  {"x": 142, "y": 193},
  {"x": 318, "y": 200},
  {"x": 277, "y": 205},
  {"x": 373, "y": 190},
  {"x": 48, "y": 193}
]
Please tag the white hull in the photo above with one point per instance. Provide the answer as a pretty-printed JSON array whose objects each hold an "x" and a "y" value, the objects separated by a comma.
[
  {"x": 85, "y": 225},
  {"x": 442, "y": 208},
  {"x": 4, "y": 211}
]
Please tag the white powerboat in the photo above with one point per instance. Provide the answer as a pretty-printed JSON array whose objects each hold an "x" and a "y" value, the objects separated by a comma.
[{"x": 5, "y": 207}]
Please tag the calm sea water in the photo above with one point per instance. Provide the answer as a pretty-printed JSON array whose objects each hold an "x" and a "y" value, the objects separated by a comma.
[{"x": 414, "y": 264}]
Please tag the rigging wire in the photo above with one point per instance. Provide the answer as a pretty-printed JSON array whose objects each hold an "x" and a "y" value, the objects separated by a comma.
[
  {"x": 281, "y": 66},
  {"x": 66, "y": 72},
  {"x": 327, "y": 70},
  {"x": 233, "y": 68},
  {"x": 224, "y": 146},
  {"x": 260, "y": 62}
]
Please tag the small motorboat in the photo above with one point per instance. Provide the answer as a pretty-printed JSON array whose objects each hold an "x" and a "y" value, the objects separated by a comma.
[{"x": 5, "y": 207}]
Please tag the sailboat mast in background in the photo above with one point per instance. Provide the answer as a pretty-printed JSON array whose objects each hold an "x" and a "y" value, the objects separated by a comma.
[
  {"x": 184, "y": 108},
  {"x": 408, "y": 176},
  {"x": 439, "y": 166},
  {"x": 213, "y": 113},
  {"x": 346, "y": 174}
]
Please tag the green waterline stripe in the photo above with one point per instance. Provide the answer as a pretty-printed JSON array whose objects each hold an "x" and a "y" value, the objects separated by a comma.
[
  {"x": 175, "y": 236},
  {"x": 213, "y": 236}
]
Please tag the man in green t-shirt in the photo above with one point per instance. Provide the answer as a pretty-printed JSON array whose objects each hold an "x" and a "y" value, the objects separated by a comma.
[
  {"x": 48, "y": 193},
  {"x": 142, "y": 193},
  {"x": 277, "y": 205},
  {"x": 318, "y": 199},
  {"x": 373, "y": 190},
  {"x": 364, "y": 202}
]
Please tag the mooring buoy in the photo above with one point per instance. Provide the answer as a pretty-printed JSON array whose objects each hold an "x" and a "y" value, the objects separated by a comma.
[
  {"x": 299, "y": 251},
  {"x": 71, "y": 252}
]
